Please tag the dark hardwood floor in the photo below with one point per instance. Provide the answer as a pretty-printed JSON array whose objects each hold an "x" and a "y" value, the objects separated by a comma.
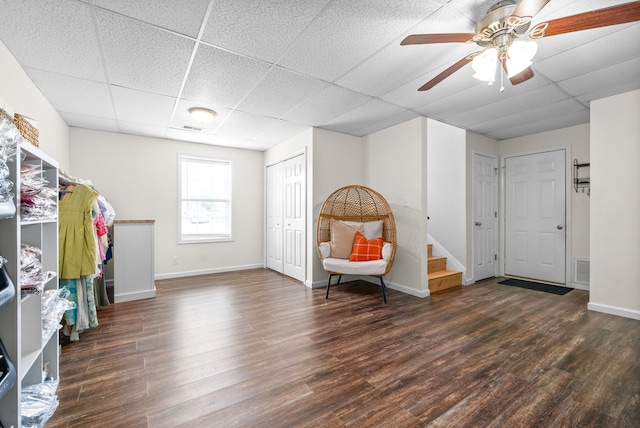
[{"x": 256, "y": 349}]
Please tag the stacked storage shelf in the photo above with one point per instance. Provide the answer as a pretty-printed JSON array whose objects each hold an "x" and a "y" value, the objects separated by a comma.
[{"x": 34, "y": 353}]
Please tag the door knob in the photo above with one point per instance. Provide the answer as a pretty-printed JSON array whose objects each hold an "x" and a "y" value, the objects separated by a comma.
[
  {"x": 478, "y": 223},
  {"x": 560, "y": 226}
]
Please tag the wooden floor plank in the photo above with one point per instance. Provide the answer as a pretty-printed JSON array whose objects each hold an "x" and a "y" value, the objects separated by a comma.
[{"x": 255, "y": 348}]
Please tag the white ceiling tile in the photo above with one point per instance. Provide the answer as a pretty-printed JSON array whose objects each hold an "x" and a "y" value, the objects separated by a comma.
[
  {"x": 74, "y": 95},
  {"x": 549, "y": 114},
  {"x": 561, "y": 120},
  {"x": 280, "y": 131},
  {"x": 218, "y": 77},
  {"x": 559, "y": 9},
  {"x": 395, "y": 64},
  {"x": 141, "y": 129},
  {"x": 506, "y": 103},
  {"x": 142, "y": 107},
  {"x": 582, "y": 57},
  {"x": 243, "y": 125},
  {"x": 259, "y": 29},
  {"x": 179, "y": 16},
  {"x": 474, "y": 10},
  {"x": 344, "y": 35},
  {"x": 190, "y": 136},
  {"x": 89, "y": 122},
  {"x": 279, "y": 92},
  {"x": 142, "y": 57},
  {"x": 620, "y": 77},
  {"x": 239, "y": 143},
  {"x": 57, "y": 36},
  {"x": 321, "y": 108},
  {"x": 386, "y": 123},
  {"x": 363, "y": 116}
]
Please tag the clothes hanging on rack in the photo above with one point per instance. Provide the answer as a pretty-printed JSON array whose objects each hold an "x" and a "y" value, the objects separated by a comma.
[
  {"x": 83, "y": 248},
  {"x": 77, "y": 248}
]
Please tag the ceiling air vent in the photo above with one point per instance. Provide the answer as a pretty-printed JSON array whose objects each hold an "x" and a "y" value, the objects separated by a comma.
[{"x": 191, "y": 128}]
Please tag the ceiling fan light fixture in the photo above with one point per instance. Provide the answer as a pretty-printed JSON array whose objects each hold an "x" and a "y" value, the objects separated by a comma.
[
  {"x": 202, "y": 114},
  {"x": 485, "y": 64},
  {"x": 519, "y": 56}
]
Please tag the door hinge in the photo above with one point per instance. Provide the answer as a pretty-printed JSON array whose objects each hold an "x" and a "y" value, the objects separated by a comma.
[
  {"x": 495, "y": 214},
  {"x": 495, "y": 257}
]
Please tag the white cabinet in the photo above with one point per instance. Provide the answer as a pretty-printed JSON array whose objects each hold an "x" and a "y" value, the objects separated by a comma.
[
  {"x": 133, "y": 267},
  {"x": 21, "y": 328}
]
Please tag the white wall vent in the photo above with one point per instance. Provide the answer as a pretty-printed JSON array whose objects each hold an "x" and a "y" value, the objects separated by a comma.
[
  {"x": 191, "y": 128},
  {"x": 581, "y": 270}
]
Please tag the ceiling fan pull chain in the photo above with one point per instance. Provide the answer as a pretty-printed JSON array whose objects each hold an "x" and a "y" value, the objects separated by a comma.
[{"x": 501, "y": 81}]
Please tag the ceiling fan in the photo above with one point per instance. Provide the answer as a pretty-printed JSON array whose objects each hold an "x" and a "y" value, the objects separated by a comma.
[{"x": 506, "y": 22}]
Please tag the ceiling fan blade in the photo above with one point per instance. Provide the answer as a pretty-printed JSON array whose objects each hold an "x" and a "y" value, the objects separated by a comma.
[
  {"x": 628, "y": 12},
  {"x": 423, "y": 39},
  {"x": 529, "y": 8},
  {"x": 448, "y": 72},
  {"x": 521, "y": 77}
]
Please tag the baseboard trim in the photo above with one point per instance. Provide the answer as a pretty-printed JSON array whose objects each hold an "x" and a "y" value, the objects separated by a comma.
[
  {"x": 614, "y": 310},
  {"x": 206, "y": 271},
  {"x": 579, "y": 286},
  {"x": 376, "y": 281},
  {"x": 138, "y": 295}
]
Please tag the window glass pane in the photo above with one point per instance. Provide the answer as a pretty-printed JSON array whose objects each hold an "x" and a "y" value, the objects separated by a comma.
[{"x": 205, "y": 206}]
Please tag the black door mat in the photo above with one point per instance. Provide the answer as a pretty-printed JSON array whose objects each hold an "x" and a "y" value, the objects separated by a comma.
[{"x": 536, "y": 286}]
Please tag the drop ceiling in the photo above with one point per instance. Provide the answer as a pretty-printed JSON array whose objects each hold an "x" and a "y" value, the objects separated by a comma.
[{"x": 273, "y": 68}]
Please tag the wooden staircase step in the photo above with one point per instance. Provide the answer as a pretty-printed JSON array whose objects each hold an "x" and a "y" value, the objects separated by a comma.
[
  {"x": 436, "y": 263},
  {"x": 429, "y": 250},
  {"x": 444, "y": 279}
]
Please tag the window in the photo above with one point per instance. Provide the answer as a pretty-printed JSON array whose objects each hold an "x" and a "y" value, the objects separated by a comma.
[{"x": 205, "y": 199}]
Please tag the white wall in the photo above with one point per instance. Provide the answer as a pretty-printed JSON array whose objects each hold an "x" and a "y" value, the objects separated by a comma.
[
  {"x": 395, "y": 165},
  {"x": 577, "y": 137},
  {"x": 20, "y": 93},
  {"x": 139, "y": 177},
  {"x": 446, "y": 190},
  {"x": 475, "y": 144},
  {"x": 336, "y": 162},
  {"x": 615, "y": 205}
]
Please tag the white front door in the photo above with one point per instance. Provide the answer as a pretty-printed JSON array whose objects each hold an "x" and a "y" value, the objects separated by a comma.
[
  {"x": 535, "y": 223},
  {"x": 275, "y": 218},
  {"x": 485, "y": 213},
  {"x": 294, "y": 218}
]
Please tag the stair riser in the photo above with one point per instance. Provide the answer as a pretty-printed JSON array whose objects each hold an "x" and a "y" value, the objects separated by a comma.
[
  {"x": 445, "y": 282},
  {"x": 436, "y": 265}
]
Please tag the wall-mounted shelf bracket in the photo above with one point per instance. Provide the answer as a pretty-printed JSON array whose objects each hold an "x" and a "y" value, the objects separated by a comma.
[{"x": 581, "y": 178}]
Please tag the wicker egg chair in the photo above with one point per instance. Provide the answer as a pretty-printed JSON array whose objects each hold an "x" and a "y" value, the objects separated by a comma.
[{"x": 361, "y": 204}]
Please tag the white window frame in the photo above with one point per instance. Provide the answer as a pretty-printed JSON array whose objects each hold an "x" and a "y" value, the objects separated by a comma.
[{"x": 195, "y": 238}]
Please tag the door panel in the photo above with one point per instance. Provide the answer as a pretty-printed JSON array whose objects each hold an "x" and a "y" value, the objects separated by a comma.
[
  {"x": 484, "y": 216},
  {"x": 275, "y": 217},
  {"x": 294, "y": 217},
  {"x": 535, "y": 216}
]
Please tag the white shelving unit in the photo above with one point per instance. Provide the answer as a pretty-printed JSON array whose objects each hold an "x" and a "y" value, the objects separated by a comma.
[{"x": 21, "y": 319}]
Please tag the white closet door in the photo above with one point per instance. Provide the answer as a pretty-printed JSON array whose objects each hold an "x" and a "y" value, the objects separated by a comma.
[
  {"x": 275, "y": 217},
  {"x": 294, "y": 218}
]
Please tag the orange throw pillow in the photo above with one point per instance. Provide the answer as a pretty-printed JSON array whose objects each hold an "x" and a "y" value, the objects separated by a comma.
[{"x": 366, "y": 249}]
